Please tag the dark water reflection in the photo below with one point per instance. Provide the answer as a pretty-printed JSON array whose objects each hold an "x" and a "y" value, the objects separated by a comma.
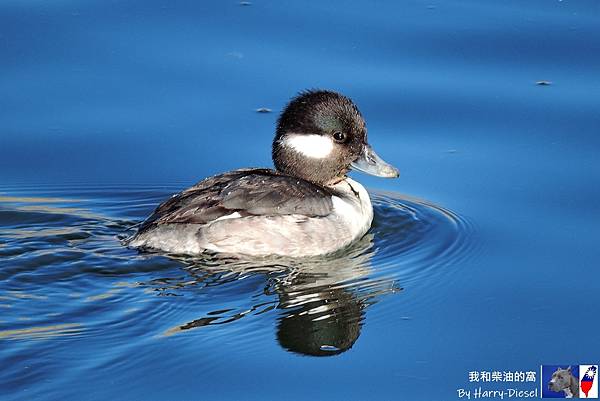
[
  {"x": 321, "y": 300},
  {"x": 321, "y": 317}
]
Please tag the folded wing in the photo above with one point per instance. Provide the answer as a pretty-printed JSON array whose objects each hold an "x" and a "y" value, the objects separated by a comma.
[{"x": 249, "y": 192}]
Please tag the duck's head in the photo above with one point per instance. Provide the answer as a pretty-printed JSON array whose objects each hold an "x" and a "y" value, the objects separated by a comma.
[{"x": 320, "y": 136}]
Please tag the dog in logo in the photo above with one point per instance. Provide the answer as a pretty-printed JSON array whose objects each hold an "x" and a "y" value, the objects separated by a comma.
[{"x": 563, "y": 380}]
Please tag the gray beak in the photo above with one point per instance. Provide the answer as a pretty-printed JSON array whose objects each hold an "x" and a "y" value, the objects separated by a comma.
[{"x": 372, "y": 164}]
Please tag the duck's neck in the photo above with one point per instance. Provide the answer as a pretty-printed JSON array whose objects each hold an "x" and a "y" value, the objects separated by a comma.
[
  {"x": 353, "y": 205},
  {"x": 349, "y": 188}
]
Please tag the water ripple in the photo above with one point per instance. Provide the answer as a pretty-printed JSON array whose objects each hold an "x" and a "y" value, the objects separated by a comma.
[{"x": 62, "y": 256}]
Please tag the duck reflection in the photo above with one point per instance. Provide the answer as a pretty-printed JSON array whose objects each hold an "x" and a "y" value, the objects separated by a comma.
[
  {"x": 328, "y": 322},
  {"x": 322, "y": 301}
]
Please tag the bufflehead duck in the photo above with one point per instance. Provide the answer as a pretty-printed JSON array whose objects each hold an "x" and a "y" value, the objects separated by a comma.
[{"x": 307, "y": 206}]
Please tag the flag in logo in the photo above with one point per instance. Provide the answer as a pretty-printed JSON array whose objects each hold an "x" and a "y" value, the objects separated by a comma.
[{"x": 588, "y": 387}]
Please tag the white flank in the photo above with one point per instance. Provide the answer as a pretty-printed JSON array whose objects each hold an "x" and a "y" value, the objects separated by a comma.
[
  {"x": 234, "y": 215},
  {"x": 315, "y": 146}
]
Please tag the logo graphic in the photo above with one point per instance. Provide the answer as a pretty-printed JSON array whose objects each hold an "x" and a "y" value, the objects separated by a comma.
[
  {"x": 569, "y": 381},
  {"x": 588, "y": 387},
  {"x": 561, "y": 381}
]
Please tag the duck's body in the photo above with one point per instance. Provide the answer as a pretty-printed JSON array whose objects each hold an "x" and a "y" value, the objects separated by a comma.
[
  {"x": 307, "y": 207},
  {"x": 233, "y": 213}
]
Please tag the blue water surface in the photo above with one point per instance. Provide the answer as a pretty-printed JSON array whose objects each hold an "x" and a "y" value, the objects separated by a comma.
[{"x": 484, "y": 255}]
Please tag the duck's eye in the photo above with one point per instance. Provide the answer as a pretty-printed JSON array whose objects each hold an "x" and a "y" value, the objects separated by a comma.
[{"x": 339, "y": 136}]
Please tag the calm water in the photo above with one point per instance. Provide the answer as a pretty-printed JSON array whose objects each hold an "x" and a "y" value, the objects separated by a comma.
[{"x": 484, "y": 255}]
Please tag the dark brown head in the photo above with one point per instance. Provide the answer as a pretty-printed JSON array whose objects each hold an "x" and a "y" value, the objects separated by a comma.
[{"x": 320, "y": 136}]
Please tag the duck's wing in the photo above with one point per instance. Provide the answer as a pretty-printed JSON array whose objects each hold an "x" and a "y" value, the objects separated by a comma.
[{"x": 258, "y": 192}]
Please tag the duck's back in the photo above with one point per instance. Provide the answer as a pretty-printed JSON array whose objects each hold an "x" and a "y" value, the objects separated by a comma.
[{"x": 253, "y": 212}]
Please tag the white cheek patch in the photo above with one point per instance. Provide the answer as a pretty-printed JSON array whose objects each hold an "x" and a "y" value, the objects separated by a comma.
[{"x": 315, "y": 146}]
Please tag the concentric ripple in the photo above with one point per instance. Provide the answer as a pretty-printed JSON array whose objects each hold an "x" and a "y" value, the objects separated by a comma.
[
  {"x": 66, "y": 278},
  {"x": 418, "y": 239}
]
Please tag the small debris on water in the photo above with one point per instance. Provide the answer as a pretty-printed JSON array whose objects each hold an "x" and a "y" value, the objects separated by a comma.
[
  {"x": 237, "y": 55},
  {"x": 245, "y": 3},
  {"x": 451, "y": 150},
  {"x": 543, "y": 83},
  {"x": 263, "y": 110}
]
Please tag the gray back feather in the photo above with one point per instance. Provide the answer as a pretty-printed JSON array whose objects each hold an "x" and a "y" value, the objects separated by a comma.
[{"x": 249, "y": 192}]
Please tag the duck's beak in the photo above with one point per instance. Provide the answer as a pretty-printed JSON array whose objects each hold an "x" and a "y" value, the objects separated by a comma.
[{"x": 368, "y": 162}]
